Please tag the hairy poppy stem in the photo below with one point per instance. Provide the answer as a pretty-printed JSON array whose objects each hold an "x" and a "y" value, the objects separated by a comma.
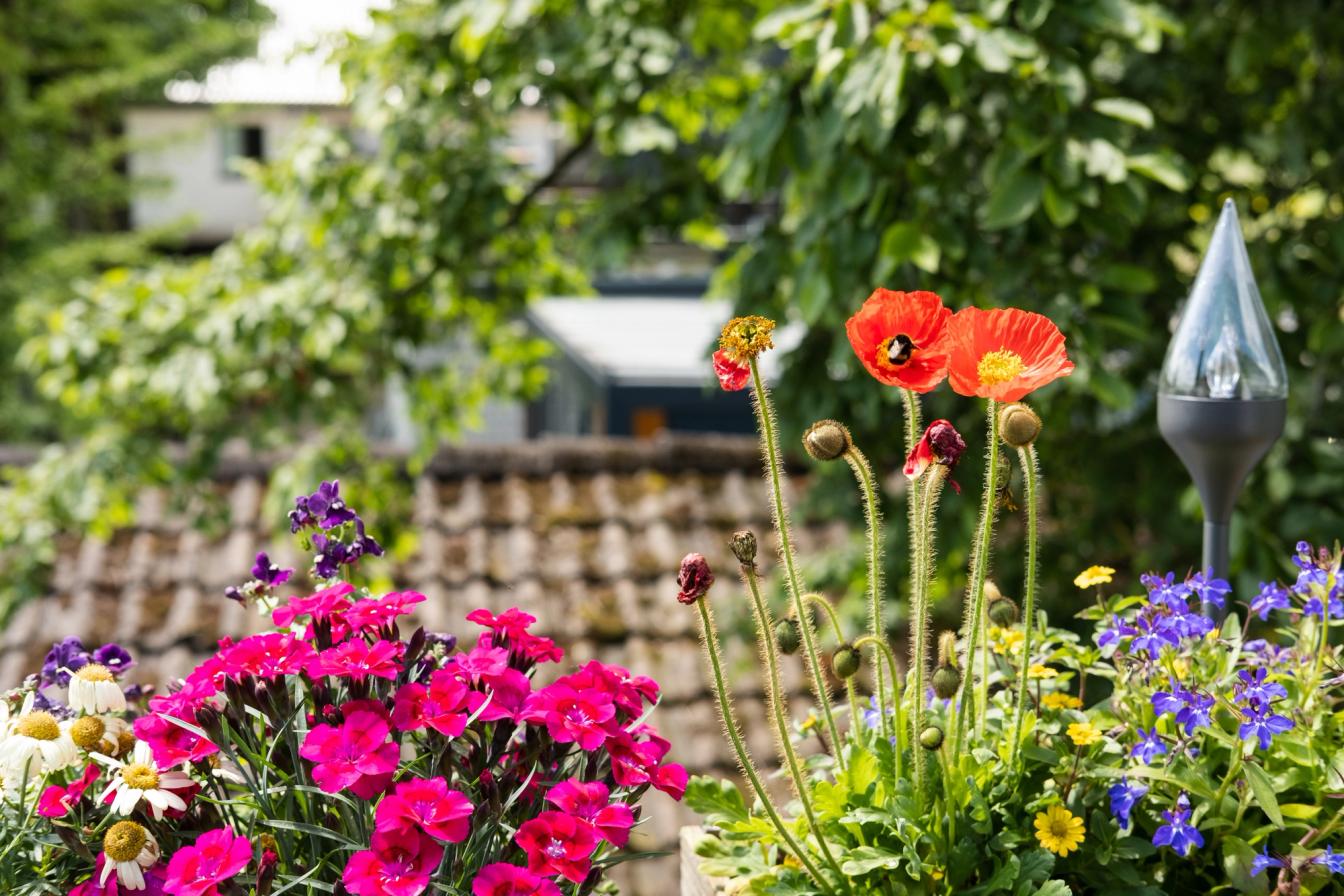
[
  {"x": 778, "y": 702},
  {"x": 975, "y": 603},
  {"x": 817, "y": 600},
  {"x": 1031, "y": 477},
  {"x": 770, "y": 444},
  {"x": 919, "y": 623},
  {"x": 876, "y": 624},
  {"x": 711, "y": 643}
]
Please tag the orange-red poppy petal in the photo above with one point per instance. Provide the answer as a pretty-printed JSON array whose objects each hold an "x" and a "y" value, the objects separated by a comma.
[
  {"x": 917, "y": 316},
  {"x": 1035, "y": 344}
]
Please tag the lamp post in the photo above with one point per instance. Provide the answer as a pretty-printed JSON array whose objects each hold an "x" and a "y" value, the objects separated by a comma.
[{"x": 1223, "y": 393}]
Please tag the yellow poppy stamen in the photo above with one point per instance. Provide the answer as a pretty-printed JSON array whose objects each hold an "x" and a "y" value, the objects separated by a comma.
[{"x": 999, "y": 367}]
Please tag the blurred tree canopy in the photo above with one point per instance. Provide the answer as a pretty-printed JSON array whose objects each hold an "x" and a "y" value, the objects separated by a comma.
[
  {"x": 67, "y": 73},
  {"x": 1064, "y": 157}
]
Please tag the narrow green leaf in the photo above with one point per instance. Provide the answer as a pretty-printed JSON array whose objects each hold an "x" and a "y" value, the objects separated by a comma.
[
  {"x": 1127, "y": 110},
  {"x": 1264, "y": 792}
]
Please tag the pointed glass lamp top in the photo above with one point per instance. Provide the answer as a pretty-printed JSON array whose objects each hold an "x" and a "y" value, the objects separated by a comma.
[{"x": 1224, "y": 346}]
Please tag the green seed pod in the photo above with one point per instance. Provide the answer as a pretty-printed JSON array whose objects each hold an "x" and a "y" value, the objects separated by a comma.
[
  {"x": 931, "y": 738},
  {"x": 845, "y": 661},
  {"x": 946, "y": 682},
  {"x": 1002, "y": 611},
  {"x": 787, "y": 637},
  {"x": 827, "y": 440},
  {"x": 1019, "y": 425}
]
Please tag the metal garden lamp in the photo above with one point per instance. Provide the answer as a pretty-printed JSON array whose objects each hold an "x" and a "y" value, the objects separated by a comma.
[{"x": 1223, "y": 393}]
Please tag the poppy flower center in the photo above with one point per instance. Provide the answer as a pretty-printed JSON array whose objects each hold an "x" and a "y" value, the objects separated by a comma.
[
  {"x": 999, "y": 367},
  {"x": 124, "y": 840},
  {"x": 39, "y": 726},
  {"x": 899, "y": 349},
  {"x": 140, "y": 776}
]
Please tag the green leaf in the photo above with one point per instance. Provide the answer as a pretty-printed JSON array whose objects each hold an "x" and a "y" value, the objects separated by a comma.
[
  {"x": 1164, "y": 167},
  {"x": 867, "y": 859},
  {"x": 1012, "y": 199},
  {"x": 1263, "y": 789},
  {"x": 717, "y": 800},
  {"x": 1054, "y": 888},
  {"x": 1121, "y": 109},
  {"x": 905, "y": 241}
]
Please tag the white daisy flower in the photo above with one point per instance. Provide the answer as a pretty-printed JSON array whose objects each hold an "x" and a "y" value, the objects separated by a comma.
[
  {"x": 128, "y": 849},
  {"x": 35, "y": 743},
  {"x": 141, "y": 779},
  {"x": 98, "y": 734},
  {"x": 93, "y": 688}
]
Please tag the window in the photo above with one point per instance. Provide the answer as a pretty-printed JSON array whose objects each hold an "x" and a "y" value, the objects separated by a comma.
[{"x": 246, "y": 141}]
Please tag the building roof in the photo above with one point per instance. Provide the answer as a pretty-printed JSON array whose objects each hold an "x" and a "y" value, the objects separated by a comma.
[
  {"x": 586, "y": 533},
  {"x": 290, "y": 68},
  {"x": 645, "y": 341}
]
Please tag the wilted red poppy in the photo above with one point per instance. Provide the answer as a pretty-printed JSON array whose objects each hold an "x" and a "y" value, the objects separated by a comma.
[
  {"x": 898, "y": 337},
  {"x": 733, "y": 375},
  {"x": 1004, "y": 353},
  {"x": 941, "y": 444}
]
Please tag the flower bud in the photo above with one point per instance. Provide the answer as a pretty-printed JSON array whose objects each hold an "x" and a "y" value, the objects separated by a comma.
[
  {"x": 743, "y": 545},
  {"x": 931, "y": 738},
  {"x": 827, "y": 440},
  {"x": 940, "y": 444},
  {"x": 694, "y": 578},
  {"x": 947, "y": 649},
  {"x": 946, "y": 682},
  {"x": 845, "y": 661},
  {"x": 1019, "y": 425},
  {"x": 1002, "y": 611},
  {"x": 787, "y": 637}
]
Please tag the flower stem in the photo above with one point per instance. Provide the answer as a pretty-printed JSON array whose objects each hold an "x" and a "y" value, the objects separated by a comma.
[
  {"x": 769, "y": 442},
  {"x": 817, "y": 600},
  {"x": 711, "y": 640},
  {"x": 1030, "y": 476},
  {"x": 778, "y": 702},
  {"x": 919, "y": 623},
  {"x": 876, "y": 623},
  {"x": 975, "y": 604},
  {"x": 890, "y": 727}
]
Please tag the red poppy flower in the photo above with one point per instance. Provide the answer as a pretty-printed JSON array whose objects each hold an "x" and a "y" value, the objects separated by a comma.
[
  {"x": 1004, "y": 353},
  {"x": 899, "y": 338},
  {"x": 733, "y": 375}
]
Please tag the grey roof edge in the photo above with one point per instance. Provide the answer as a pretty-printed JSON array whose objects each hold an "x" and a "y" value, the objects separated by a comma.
[{"x": 705, "y": 452}]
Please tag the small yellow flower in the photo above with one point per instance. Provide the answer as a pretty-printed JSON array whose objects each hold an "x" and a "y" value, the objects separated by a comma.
[
  {"x": 1084, "y": 733},
  {"x": 1037, "y": 670},
  {"x": 1005, "y": 640},
  {"x": 746, "y": 337},
  {"x": 808, "y": 723},
  {"x": 1093, "y": 576},
  {"x": 1059, "y": 700},
  {"x": 936, "y": 874},
  {"x": 1059, "y": 830}
]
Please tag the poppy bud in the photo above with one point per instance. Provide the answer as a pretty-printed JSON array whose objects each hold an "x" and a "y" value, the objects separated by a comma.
[
  {"x": 845, "y": 661},
  {"x": 940, "y": 444},
  {"x": 787, "y": 637},
  {"x": 694, "y": 578},
  {"x": 827, "y": 440},
  {"x": 1001, "y": 611},
  {"x": 743, "y": 545},
  {"x": 946, "y": 682},
  {"x": 1019, "y": 425},
  {"x": 931, "y": 738},
  {"x": 947, "y": 649}
]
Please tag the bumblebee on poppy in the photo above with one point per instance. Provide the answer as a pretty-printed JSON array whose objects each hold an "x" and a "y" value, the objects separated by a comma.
[{"x": 898, "y": 336}]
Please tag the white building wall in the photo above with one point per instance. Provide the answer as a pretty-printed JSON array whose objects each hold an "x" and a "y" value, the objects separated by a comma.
[{"x": 181, "y": 150}]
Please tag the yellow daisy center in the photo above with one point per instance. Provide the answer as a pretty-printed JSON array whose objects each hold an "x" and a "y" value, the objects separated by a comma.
[
  {"x": 39, "y": 726},
  {"x": 999, "y": 367},
  {"x": 93, "y": 672},
  {"x": 124, "y": 840},
  {"x": 140, "y": 776},
  {"x": 88, "y": 732},
  {"x": 125, "y": 743}
]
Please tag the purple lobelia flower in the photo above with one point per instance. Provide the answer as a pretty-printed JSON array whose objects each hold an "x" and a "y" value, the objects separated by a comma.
[
  {"x": 1191, "y": 709},
  {"x": 65, "y": 656},
  {"x": 1115, "y": 632},
  {"x": 268, "y": 573},
  {"x": 1125, "y": 795},
  {"x": 1149, "y": 747},
  {"x": 1178, "y": 833},
  {"x": 1210, "y": 590},
  {"x": 1262, "y": 723},
  {"x": 1272, "y": 596},
  {"x": 1330, "y": 859},
  {"x": 1251, "y": 687},
  {"x": 1264, "y": 860},
  {"x": 1166, "y": 591}
]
